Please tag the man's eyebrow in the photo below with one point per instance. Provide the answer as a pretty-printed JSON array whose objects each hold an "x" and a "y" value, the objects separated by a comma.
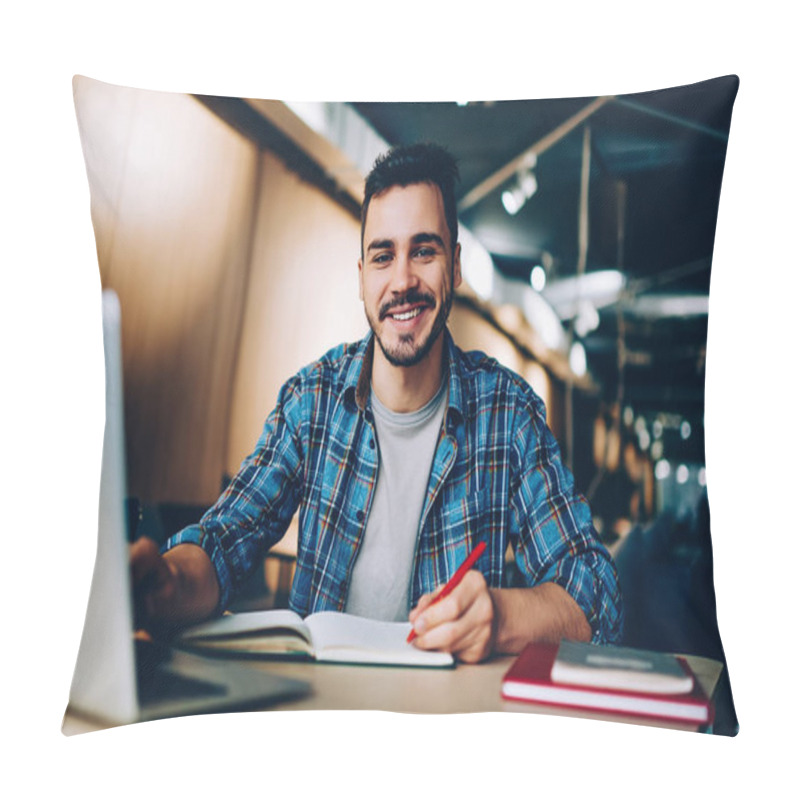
[
  {"x": 380, "y": 244},
  {"x": 422, "y": 238}
]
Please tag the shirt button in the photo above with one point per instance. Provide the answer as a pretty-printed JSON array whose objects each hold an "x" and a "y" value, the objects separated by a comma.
[
  {"x": 360, "y": 515},
  {"x": 371, "y": 444}
]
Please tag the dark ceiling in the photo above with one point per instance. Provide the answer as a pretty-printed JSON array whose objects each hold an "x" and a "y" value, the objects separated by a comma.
[{"x": 656, "y": 168}]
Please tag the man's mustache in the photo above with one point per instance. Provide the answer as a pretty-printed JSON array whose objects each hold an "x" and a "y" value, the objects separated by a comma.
[{"x": 412, "y": 297}]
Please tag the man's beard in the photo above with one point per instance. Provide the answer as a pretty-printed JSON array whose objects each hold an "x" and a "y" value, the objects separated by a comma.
[{"x": 406, "y": 353}]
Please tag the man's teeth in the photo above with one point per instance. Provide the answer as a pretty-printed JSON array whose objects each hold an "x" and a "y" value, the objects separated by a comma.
[{"x": 407, "y": 314}]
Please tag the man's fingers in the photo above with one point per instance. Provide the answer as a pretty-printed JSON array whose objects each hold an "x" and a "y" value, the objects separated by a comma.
[
  {"x": 144, "y": 559},
  {"x": 153, "y": 583},
  {"x": 424, "y": 602},
  {"x": 461, "y": 623},
  {"x": 467, "y": 637},
  {"x": 450, "y": 607}
]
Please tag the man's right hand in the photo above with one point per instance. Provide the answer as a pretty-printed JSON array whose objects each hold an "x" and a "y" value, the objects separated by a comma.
[
  {"x": 154, "y": 583},
  {"x": 177, "y": 588}
]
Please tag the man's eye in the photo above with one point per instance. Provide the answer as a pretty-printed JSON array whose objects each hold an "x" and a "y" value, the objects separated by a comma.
[
  {"x": 382, "y": 258},
  {"x": 425, "y": 252}
]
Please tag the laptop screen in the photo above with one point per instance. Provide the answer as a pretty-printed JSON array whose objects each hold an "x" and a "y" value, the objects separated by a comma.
[{"x": 104, "y": 682}]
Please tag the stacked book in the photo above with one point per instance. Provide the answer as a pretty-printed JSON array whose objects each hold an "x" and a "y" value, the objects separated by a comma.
[{"x": 617, "y": 680}]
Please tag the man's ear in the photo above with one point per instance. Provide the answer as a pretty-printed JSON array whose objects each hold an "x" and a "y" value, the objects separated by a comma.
[
  {"x": 360, "y": 281},
  {"x": 457, "y": 266}
]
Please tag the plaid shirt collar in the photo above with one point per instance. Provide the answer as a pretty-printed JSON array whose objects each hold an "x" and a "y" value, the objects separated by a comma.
[{"x": 357, "y": 377}]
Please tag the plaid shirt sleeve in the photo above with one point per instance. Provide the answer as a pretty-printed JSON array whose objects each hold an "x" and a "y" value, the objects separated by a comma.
[
  {"x": 255, "y": 510},
  {"x": 558, "y": 542}
]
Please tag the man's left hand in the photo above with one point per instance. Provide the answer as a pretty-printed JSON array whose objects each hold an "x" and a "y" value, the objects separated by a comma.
[{"x": 463, "y": 623}]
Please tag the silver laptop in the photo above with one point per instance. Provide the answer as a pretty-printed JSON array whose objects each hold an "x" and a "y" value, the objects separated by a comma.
[{"x": 114, "y": 680}]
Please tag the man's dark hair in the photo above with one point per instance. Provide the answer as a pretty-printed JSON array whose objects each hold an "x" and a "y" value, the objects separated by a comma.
[{"x": 416, "y": 163}]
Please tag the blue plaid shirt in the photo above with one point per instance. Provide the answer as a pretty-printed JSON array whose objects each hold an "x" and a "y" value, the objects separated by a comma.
[{"x": 496, "y": 476}]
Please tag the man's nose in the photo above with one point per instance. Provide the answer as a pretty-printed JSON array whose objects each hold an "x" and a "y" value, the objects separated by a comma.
[{"x": 403, "y": 275}]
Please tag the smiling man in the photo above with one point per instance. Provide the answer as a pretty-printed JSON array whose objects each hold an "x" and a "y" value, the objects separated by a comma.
[
  {"x": 401, "y": 453},
  {"x": 408, "y": 272}
]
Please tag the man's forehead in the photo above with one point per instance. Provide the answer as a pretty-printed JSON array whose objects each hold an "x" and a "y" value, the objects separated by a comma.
[{"x": 405, "y": 211}]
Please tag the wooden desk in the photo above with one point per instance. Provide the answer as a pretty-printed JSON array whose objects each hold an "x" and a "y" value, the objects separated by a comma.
[{"x": 467, "y": 688}]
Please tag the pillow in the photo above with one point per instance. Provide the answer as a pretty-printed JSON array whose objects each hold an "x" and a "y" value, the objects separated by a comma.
[{"x": 587, "y": 231}]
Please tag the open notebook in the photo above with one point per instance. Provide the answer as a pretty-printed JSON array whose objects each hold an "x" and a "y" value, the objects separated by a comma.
[
  {"x": 118, "y": 679},
  {"x": 327, "y": 636}
]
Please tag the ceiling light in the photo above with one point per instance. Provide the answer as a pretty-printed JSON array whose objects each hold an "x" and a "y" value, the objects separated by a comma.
[
  {"x": 513, "y": 200},
  {"x": 657, "y": 451},
  {"x": 669, "y": 305},
  {"x": 538, "y": 278},
  {"x": 528, "y": 184},
  {"x": 523, "y": 189},
  {"x": 587, "y": 319},
  {"x": 577, "y": 359},
  {"x": 600, "y": 287}
]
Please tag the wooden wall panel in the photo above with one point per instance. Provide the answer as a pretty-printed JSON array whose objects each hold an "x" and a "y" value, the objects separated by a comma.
[
  {"x": 172, "y": 191},
  {"x": 302, "y": 296}
]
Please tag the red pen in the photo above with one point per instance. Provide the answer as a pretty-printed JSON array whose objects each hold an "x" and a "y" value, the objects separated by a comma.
[{"x": 455, "y": 580}]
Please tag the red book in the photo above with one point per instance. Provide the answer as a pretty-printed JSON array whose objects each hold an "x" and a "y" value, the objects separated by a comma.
[{"x": 529, "y": 680}]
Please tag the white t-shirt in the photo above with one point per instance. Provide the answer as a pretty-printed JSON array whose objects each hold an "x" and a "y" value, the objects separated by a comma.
[{"x": 382, "y": 572}]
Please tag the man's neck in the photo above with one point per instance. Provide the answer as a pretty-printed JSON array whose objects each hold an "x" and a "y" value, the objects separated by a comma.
[{"x": 406, "y": 389}]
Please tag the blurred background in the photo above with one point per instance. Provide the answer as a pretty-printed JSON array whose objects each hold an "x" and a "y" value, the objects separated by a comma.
[{"x": 229, "y": 228}]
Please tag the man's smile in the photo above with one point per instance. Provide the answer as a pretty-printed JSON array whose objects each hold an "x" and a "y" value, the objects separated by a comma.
[
  {"x": 406, "y": 315},
  {"x": 407, "y": 308}
]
